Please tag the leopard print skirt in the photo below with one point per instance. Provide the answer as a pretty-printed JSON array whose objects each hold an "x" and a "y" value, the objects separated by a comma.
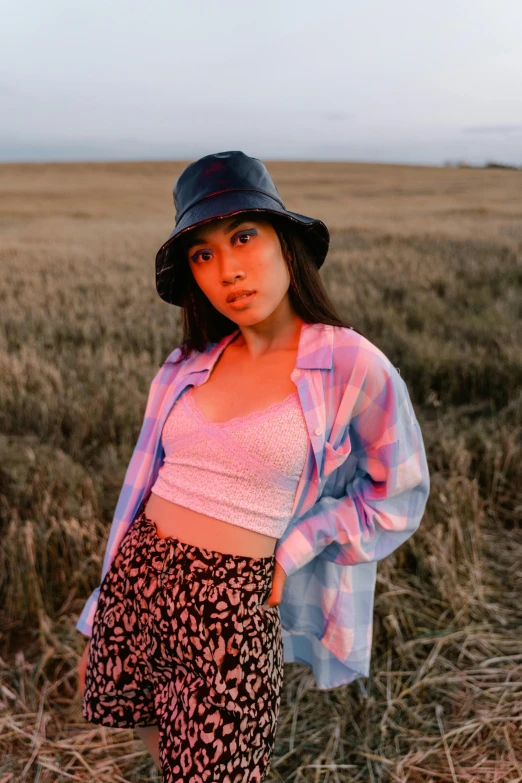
[{"x": 181, "y": 640}]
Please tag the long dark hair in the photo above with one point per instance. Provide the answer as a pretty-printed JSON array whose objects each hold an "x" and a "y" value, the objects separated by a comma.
[{"x": 202, "y": 323}]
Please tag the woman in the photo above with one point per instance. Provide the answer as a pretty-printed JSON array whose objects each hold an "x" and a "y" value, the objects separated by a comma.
[{"x": 186, "y": 638}]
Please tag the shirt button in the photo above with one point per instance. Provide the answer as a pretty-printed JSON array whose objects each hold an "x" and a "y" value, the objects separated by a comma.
[
  {"x": 296, "y": 374},
  {"x": 318, "y": 431}
]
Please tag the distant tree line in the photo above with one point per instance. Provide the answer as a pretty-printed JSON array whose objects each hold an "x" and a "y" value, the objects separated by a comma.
[{"x": 462, "y": 164}]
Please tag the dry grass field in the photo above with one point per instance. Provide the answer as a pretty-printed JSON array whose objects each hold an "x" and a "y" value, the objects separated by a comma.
[{"x": 427, "y": 263}]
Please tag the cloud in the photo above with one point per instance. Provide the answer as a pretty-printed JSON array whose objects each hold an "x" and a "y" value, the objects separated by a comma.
[
  {"x": 6, "y": 91},
  {"x": 493, "y": 129},
  {"x": 336, "y": 116}
]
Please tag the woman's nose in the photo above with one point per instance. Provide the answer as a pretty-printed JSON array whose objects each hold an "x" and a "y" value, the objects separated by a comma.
[{"x": 229, "y": 267}]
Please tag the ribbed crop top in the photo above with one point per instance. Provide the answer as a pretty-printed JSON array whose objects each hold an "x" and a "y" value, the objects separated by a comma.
[{"x": 244, "y": 471}]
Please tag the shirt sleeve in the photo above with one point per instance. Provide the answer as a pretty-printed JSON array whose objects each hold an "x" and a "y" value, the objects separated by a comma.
[
  {"x": 385, "y": 501},
  {"x": 130, "y": 486}
]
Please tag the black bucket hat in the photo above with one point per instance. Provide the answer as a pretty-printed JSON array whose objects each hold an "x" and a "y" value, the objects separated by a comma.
[{"x": 217, "y": 186}]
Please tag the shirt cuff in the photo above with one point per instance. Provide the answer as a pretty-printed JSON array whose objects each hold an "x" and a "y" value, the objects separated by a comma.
[
  {"x": 85, "y": 621},
  {"x": 294, "y": 552}
]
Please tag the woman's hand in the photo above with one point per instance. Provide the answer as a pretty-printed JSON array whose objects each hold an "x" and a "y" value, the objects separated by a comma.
[
  {"x": 82, "y": 666},
  {"x": 278, "y": 583}
]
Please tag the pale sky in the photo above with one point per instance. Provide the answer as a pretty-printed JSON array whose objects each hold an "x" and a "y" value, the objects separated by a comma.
[{"x": 388, "y": 81}]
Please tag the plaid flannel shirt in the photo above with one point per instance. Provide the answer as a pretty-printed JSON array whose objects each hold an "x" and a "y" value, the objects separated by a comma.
[{"x": 362, "y": 491}]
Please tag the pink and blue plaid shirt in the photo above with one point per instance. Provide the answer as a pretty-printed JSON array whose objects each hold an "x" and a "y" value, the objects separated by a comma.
[{"x": 362, "y": 492}]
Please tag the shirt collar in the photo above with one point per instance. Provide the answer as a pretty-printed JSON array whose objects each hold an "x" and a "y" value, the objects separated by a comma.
[{"x": 314, "y": 352}]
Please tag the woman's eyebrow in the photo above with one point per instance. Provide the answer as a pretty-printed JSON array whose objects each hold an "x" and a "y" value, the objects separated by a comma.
[{"x": 200, "y": 239}]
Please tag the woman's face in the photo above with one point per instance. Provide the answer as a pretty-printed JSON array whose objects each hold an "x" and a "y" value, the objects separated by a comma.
[{"x": 234, "y": 253}]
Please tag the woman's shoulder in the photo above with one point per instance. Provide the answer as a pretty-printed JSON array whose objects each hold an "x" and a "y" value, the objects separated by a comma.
[
  {"x": 349, "y": 341},
  {"x": 352, "y": 350},
  {"x": 174, "y": 356}
]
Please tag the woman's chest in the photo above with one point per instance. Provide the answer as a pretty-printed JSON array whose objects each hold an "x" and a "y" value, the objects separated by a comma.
[{"x": 238, "y": 388}]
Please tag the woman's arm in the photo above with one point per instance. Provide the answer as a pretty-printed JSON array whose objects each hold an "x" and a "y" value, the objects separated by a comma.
[
  {"x": 384, "y": 504},
  {"x": 133, "y": 481}
]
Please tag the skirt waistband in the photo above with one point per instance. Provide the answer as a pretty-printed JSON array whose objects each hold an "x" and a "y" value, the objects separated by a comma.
[{"x": 194, "y": 563}]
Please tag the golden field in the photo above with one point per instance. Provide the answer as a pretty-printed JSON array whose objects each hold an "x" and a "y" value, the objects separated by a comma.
[{"x": 427, "y": 263}]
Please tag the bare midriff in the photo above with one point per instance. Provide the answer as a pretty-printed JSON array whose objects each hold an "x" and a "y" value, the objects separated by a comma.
[
  {"x": 198, "y": 529},
  {"x": 237, "y": 386}
]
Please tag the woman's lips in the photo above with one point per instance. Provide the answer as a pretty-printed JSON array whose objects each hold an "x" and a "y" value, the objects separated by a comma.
[{"x": 242, "y": 301}]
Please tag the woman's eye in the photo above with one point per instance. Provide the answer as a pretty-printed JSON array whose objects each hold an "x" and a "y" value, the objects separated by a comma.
[
  {"x": 245, "y": 234},
  {"x": 196, "y": 256},
  {"x": 202, "y": 253}
]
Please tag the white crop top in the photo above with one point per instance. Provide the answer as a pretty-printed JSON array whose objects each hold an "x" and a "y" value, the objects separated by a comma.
[{"x": 244, "y": 471}]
